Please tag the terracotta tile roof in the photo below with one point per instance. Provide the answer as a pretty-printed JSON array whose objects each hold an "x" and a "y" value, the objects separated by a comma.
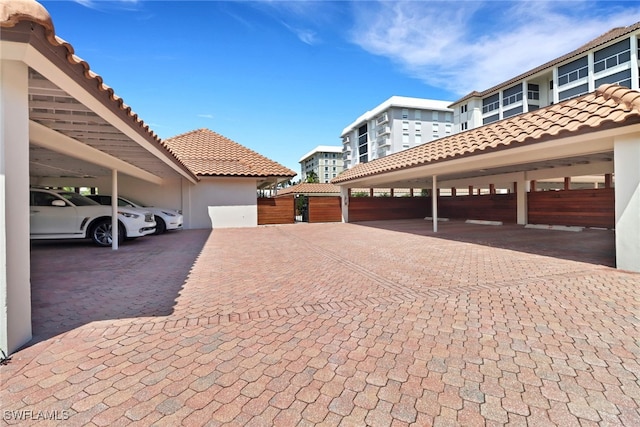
[
  {"x": 598, "y": 41},
  {"x": 608, "y": 107},
  {"x": 208, "y": 153},
  {"x": 14, "y": 13},
  {"x": 310, "y": 188}
]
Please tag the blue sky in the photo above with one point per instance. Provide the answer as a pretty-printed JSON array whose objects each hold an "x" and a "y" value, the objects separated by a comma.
[{"x": 282, "y": 77}]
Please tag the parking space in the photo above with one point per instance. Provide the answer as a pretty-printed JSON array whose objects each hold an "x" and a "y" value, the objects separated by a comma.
[{"x": 377, "y": 323}]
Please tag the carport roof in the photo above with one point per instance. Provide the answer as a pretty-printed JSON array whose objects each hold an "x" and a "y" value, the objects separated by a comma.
[
  {"x": 26, "y": 21},
  {"x": 207, "y": 153},
  {"x": 610, "y": 106}
]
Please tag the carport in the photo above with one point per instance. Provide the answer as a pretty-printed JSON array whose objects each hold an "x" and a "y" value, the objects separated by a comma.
[
  {"x": 596, "y": 134},
  {"x": 61, "y": 126}
]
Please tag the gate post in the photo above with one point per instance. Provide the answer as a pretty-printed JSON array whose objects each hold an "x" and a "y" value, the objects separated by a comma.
[{"x": 345, "y": 193}]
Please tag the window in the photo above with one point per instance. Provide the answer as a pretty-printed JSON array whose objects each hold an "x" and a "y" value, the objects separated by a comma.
[
  {"x": 418, "y": 115},
  {"x": 405, "y": 138},
  {"x": 405, "y": 146},
  {"x": 334, "y": 162},
  {"x": 447, "y": 128},
  {"x": 405, "y": 126},
  {"x": 418, "y": 126},
  {"x": 463, "y": 109},
  {"x": 363, "y": 146},
  {"x": 464, "y": 126},
  {"x": 533, "y": 91},
  {"x": 491, "y": 103},
  {"x": 623, "y": 78},
  {"x": 436, "y": 127},
  {"x": 418, "y": 139},
  {"x": 405, "y": 113},
  {"x": 611, "y": 56},
  {"x": 573, "y": 71},
  {"x": 434, "y": 116},
  {"x": 512, "y": 95},
  {"x": 448, "y": 117}
]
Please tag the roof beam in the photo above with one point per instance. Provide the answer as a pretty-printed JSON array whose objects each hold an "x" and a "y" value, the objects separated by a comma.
[{"x": 48, "y": 138}]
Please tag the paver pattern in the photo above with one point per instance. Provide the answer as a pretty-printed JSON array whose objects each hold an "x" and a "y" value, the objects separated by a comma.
[{"x": 372, "y": 324}]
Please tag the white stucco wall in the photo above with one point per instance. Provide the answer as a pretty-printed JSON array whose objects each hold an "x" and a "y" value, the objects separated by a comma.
[
  {"x": 220, "y": 203},
  {"x": 15, "y": 282},
  {"x": 168, "y": 195},
  {"x": 627, "y": 172}
]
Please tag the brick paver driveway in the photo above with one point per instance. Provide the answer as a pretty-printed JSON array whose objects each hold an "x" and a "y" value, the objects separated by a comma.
[{"x": 374, "y": 324}]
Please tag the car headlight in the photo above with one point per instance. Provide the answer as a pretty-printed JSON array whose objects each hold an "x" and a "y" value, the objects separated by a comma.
[
  {"x": 168, "y": 213},
  {"x": 128, "y": 215}
]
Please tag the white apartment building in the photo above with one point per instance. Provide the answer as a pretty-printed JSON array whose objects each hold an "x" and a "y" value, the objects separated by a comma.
[
  {"x": 395, "y": 125},
  {"x": 324, "y": 160},
  {"x": 610, "y": 58}
]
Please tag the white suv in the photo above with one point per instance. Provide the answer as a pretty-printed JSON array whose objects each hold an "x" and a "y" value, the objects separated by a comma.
[{"x": 58, "y": 214}]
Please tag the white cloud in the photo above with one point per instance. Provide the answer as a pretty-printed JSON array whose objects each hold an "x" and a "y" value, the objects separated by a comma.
[
  {"x": 205, "y": 116},
  {"x": 463, "y": 46}
]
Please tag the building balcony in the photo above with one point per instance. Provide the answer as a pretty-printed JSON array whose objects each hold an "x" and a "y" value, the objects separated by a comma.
[
  {"x": 384, "y": 118},
  {"x": 383, "y": 130}
]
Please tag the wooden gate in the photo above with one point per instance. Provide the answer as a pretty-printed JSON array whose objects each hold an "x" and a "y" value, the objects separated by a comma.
[{"x": 325, "y": 209}]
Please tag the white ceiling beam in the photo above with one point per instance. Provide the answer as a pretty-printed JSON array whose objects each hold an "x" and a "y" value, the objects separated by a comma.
[
  {"x": 48, "y": 138},
  {"x": 42, "y": 65}
]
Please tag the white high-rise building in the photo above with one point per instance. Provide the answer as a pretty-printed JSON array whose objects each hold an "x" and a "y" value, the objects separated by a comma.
[
  {"x": 611, "y": 58},
  {"x": 395, "y": 125},
  {"x": 324, "y": 160}
]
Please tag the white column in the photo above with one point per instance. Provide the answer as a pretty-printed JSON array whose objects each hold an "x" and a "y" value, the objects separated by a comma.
[
  {"x": 590, "y": 79},
  {"x": 15, "y": 257},
  {"x": 344, "y": 202},
  {"x": 627, "y": 192},
  {"x": 521, "y": 199},
  {"x": 634, "y": 60},
  {"x": 114, "y": 209},
  {"x": 434, "y": 203}
]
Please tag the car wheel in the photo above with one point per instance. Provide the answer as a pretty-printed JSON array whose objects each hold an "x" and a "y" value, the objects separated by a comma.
[
  {"x": 101, "y": 233},
  {"x": 161, "y": 226}
]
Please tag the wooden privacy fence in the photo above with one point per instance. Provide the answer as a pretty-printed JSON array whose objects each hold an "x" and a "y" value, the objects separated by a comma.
[
  {"x": 272, "y": 210},
  {"x": 586, "y": 208},
  {"x": 325, "y": 209},
  {"x": 384, "y": 208},
  {"x": 488, "y": 207}
]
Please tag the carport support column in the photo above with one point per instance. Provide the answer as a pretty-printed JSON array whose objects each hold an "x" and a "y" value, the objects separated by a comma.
[
  {"x": 434, "y": 203},
  {"x": 15, "y": 257},
  {"x": 521, "y": 199},
  {"x": 114, "y": 210},
  {"x": 626, "y": 158},
  {"x": 344, "y": 199}
]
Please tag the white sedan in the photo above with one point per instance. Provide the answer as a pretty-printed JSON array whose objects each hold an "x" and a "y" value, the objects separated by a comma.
[
  {"x": 58, "y": 214},
  {"x": 166, "y": 219}
]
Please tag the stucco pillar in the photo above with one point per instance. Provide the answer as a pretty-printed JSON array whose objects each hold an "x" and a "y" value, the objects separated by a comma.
[
  {"x": 344, "y": 203},
  {"x": 521, "y": 199},
  {"x": 15, "y": 282},
  {"x": 627, "y": 191}
]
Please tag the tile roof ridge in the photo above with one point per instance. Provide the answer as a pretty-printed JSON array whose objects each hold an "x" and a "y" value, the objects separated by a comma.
[{"x": 14, "y": 11}]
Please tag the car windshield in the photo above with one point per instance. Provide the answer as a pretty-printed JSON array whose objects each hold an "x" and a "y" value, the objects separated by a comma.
[
  {"x": 135, "y": 203},
  {"x": 77, "y": 199}
]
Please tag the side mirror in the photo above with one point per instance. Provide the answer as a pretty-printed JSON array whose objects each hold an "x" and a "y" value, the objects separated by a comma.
[{"x": 59, "y": 203}]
